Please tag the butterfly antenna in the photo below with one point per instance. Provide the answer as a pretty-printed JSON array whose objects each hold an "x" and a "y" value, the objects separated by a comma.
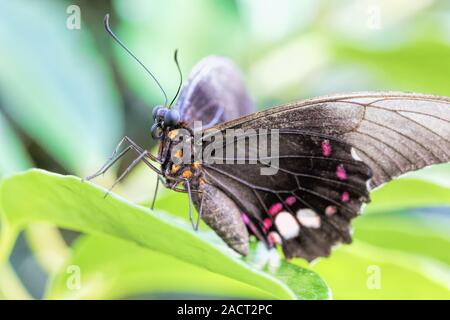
[
  {"x": 108, "y": 29},
  {"x": 175, "y": 58}
]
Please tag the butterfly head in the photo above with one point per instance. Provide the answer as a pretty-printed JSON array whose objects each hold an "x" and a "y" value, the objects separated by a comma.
[{"x": 164, "y": 118}]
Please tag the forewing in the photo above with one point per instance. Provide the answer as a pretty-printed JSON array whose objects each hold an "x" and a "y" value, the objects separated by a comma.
[
  {"x": 392, "y": 132},
  {"x": 214, "y": 93}
]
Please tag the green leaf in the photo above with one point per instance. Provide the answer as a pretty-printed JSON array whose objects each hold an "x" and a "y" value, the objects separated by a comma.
[
  {"x": 111, "y": 268},
  {"x": 54, "y": 86},
  {"x": 408, "y": 193},
  {"x": 14, "y": 156},
  {"x": 136, "y": 33},
  {"x": 409, "y": 249},
  {"x": 352, "y": 269},
  {"x": 302, "y": 281},
  {"x": 72, "y": 204},
  {"x": 10, "y": 286},
  {"x": 439, "y": 174},
  {"x": 409, "y": 232},
  {"x": 420, "y": 65}
]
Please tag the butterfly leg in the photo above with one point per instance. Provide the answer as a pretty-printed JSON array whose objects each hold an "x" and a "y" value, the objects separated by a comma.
[
  {"x": 189, "y": 191},
  {"x": 127, "y": 170},
  {"x": 115, "y": 157},
  {"x": 137, "y": 147},
  {"x": 111, "y": 161},
  {"x": 174, "y": 188},
  {"x": 159, "y": 179},
  {"x": 200, "y": 210},
  {"x": 191, "y": 218}
]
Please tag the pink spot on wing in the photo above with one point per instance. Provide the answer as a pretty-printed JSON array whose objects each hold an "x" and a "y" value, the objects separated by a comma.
[
  {"x": 275, "y": 208},
  {"x": 249, "y": 223},
  {"x": 290, "y": 200},
  {"x": 345, "y": 197},
  {"x": 267, "y": 223},
  {"x": 341, "y": 173},
  {"x": 245, "y": 218},
  {"x": 330, "y": 210},
  {"x": 326, "y": 148}
]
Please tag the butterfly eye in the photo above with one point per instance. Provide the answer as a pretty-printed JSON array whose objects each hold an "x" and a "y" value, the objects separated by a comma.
[
  {"x": 158, "y": 112},
  {"x": 171, "y": 118}
]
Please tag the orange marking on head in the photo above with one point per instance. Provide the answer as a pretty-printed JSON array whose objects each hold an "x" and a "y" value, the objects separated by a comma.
[
  {"x": 196, "y": 165},
  {"x": 187, "y": 174},
  {"x": 174, "y": 168},
  {"x": 172, "y": 134},
  {"x": 179, "y": 153}
]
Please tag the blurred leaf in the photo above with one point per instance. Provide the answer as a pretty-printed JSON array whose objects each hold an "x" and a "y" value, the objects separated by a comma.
[
  {"x": 69, "y": 203},
  {"x": 47, "y": 245},
  {"x": 351, "y": 270},
  {"x": 408, "y": 193},
  {"x": 10, "y": 286},
  {"x": 407, "y": 232},
  {"x": 13, "y": 154},
  {"x": 421, "y": 65},
  {"x": 411, "y": 255},
  {"x": 439, "y": 174},
  {"x": 54, "y": 86},
  {"x": 410, "y": 252}
]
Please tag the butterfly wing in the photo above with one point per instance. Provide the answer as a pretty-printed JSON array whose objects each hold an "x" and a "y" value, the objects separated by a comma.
[
  {"x": 329, "y": 148},
  {"x": 307, "y": 202},
  {"x": 392, "y": 132},
  {"x": 214, "y": 93}
]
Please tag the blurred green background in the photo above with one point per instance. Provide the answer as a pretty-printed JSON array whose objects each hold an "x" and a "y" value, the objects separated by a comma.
[{"x": 67, "y": 96}]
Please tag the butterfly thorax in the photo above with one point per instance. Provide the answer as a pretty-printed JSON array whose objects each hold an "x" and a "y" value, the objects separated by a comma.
[{"x": 177, "y": 155}]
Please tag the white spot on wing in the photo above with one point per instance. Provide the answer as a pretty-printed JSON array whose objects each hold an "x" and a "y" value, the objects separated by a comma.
[
  {"x": 368, "y": 186},
  {"x": 287, "y": 225},
  {"x": 355, "y": 155},
  {"x": 308, "y": 218},
  {"x": 361, "y": 209}
]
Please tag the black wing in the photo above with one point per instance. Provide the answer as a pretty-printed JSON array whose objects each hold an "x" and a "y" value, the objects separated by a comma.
[
  {"x": 321, "y": 141},
  {"x": 306, "y": 205},
  {"x": 214, "y": 93},
  {"x": 392, "y": 132}
]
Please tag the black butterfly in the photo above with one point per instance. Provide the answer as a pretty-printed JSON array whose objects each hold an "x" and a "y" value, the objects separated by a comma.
[{"x": 332, "y": 151}]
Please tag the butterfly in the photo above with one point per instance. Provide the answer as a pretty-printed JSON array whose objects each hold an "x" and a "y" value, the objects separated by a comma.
[{"x": 332, "y": 151}]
